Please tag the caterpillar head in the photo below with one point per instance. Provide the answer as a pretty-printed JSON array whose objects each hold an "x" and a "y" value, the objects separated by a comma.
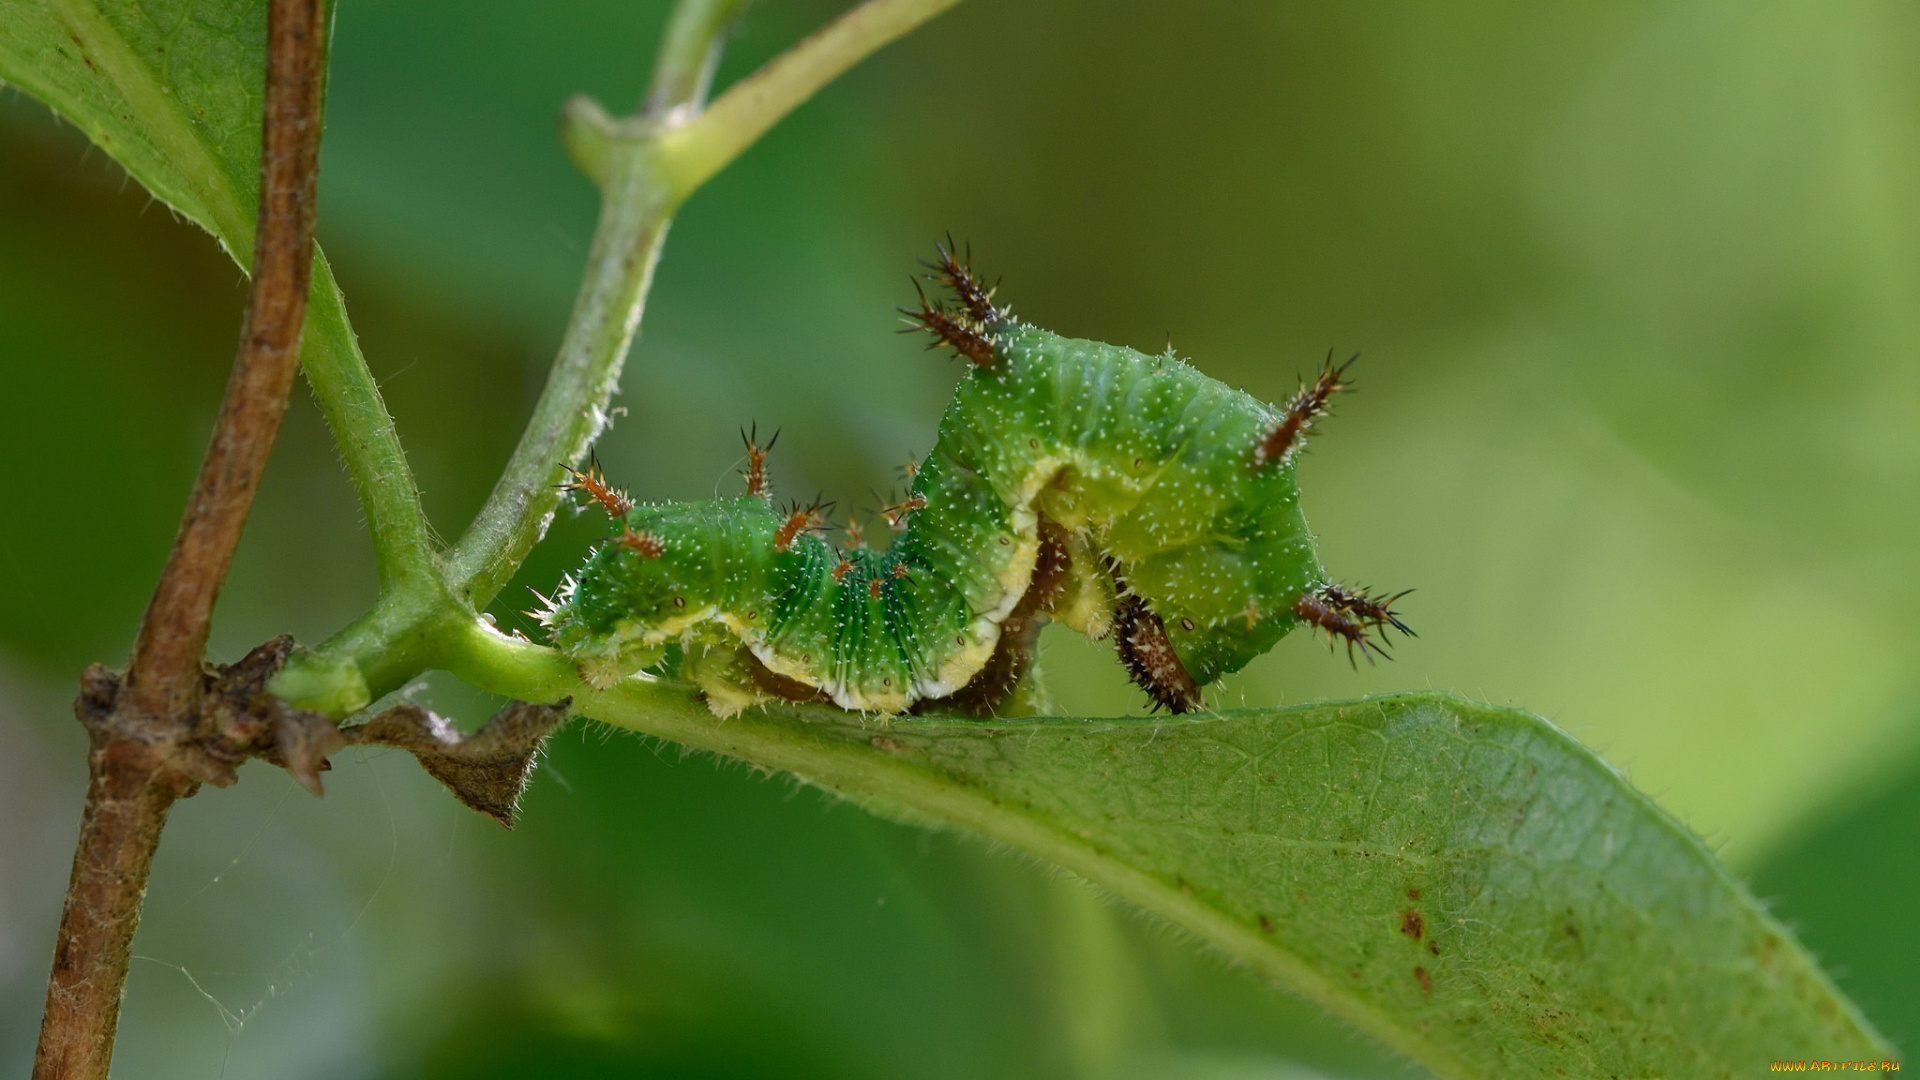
[{"x": 674, "y": 572}]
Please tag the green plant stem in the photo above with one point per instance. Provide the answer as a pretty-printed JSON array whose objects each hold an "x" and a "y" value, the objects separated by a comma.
[
  {"x": 403, "y": 548},
  {"x": 693, "y": 153},
  {"x": 689, "y": 54},
  {"x": 572, "y": 410},
  {"x": 635, "y": 210}
]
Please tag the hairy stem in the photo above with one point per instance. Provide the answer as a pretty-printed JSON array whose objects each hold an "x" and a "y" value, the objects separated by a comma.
[
  {"x": 572, "y": 410},
  {"x": 134, "y": 778},
  {"x": 403, "y": 548}
]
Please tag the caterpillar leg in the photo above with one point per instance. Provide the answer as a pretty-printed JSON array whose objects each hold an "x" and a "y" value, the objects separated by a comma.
[
  {"x": 1351, "y": 615},
  {"x": 1087, "y": 597},
  {"x": 1147, "y": 653},
  {"x": 724, "y": 680}
]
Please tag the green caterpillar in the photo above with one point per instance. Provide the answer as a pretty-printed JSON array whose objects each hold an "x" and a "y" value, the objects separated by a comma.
[{"x": 1117, "y": 492}]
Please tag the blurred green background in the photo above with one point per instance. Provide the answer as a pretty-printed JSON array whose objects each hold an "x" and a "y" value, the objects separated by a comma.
[{"x": 1639, "y": 417}]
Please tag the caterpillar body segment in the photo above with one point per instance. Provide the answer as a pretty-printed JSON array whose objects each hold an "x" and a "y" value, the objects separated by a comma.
[{"x": 1119, "y": 492}]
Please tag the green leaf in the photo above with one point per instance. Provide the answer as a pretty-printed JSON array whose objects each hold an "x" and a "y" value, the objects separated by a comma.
[
  {"x": 1468, "y": 884},
  {"x": 171, "y": 89}
]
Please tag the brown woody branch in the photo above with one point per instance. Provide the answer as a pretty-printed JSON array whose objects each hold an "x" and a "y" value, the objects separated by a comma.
[{"x": 169, "y": 724}]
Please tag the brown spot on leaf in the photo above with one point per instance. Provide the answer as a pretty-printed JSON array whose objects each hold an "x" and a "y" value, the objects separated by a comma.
[
  {"x": 1413, "y": 924},
  {"x": 1266, "y": 924},
  {"x": 1426, "y": 980},
  {"x": 1413, "y": 893}
]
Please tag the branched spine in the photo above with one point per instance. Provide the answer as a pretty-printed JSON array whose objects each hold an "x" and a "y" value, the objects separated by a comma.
[
  {"x": 967, "y": 327},
  {"x": 594, "y": 483},
  {"x": 1286, "y": 436}
]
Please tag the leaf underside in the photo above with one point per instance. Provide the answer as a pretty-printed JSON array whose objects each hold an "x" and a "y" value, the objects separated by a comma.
[
  {"x": 170, "y": 88},
  {"x": 1466, "y": 883}
]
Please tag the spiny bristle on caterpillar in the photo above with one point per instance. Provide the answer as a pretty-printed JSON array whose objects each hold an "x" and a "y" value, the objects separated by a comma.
[
  {"x": 910, "y": 470},
  {"x": 1286, "y": 435},
  {"x": 800, "y": 519},
  {"x": 1376, "y": 611},
  {"x": 545, "y": 612},
  {"x": 644, "y": 544},
  {"x": 965, "y": 335},
  {"x": 594, "y": 482},
  {"x": 1146, "y": 651},
  {"x": 896, "y": 514},
  {"x": 756, "y": 470},
  {"x": 967, "y": 327},
  {"x": 958, "y": 276},
  {"x": 840, "y": 569},
  {"x": 899, "y": 571},
  {"x": 855, "y": 541},
  {"x": 1349, "y": 615}
]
